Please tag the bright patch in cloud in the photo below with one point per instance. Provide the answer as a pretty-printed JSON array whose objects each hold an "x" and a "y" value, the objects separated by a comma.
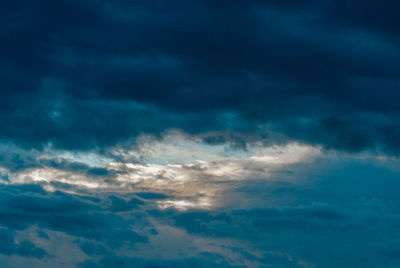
[{"x": 201, "y": 178}]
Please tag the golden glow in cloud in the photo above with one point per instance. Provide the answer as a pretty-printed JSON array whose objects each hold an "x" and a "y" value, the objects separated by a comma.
[{"x": 175, "y": 166}]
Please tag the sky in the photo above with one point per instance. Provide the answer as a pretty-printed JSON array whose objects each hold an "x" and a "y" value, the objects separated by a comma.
[{"x": 201, "y": 133}]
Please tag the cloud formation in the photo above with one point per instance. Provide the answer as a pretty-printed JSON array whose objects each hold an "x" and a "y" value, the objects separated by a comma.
[
  {"x": 308, "y": 70},
  {"x": 199, "y": 133},
  {"x": 302, "y": 214}
]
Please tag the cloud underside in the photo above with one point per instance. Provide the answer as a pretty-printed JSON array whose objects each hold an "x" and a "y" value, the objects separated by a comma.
[
  {"x": 309, "y": 71},
  {"x": 189, "y": 203},
  {"x": 199, "y": 133},
  {"x": 273, "y": 223}
]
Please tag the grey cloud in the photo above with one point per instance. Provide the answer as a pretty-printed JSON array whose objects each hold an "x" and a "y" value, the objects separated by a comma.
[
  {"x": 8, "y": 246},
  {"x": 125, "y": 68}
]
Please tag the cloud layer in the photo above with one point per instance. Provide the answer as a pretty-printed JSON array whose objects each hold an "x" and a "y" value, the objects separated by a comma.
[
  {"x": 308, "y": 70},
  {"x": 199, "y": 133}
]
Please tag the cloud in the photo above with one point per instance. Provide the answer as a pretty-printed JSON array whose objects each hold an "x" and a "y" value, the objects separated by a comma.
[
  {"x": 302, "y": 212},
  {"x": 149, "y": 195},
  {"x": 119, "y": 205},
  {"x": 115, "y": 261},
  {"x": 61, "y": 212},
  {"x": 308, "y": 70},
  {"x": 24, "y": 248},
  {"x": 199, "y": 133},
  {"x": 178, "y": 170}
]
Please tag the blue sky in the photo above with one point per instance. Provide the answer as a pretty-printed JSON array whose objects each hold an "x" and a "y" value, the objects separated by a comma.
[{"x": 199, "y": 133}]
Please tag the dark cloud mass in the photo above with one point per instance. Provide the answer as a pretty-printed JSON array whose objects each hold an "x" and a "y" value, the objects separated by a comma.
[
  {"x": 311, "y": 224},
  {"x": 203, "y": 133},
  {"x": 81, "y": 74}
]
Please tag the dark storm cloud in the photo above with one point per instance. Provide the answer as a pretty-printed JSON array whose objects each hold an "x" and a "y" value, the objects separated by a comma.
[
  {"x": 312, "y": 219},
  {"x": 323, "y": 72},
  {"x": 86, "y": 75},
  {"x": 150, "y": 195},
  {"x": 352, "y": 203},
  {"x": 347, "y": 215},
  {"x": 8, "y": 246},
  {"x": 16, "y": 159},
  {"x": 27, "y": 205},
  {"x": 320, "y": 233},
  {"x": 119, "y": 204},
  {"x": 92, "y": 249}
]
